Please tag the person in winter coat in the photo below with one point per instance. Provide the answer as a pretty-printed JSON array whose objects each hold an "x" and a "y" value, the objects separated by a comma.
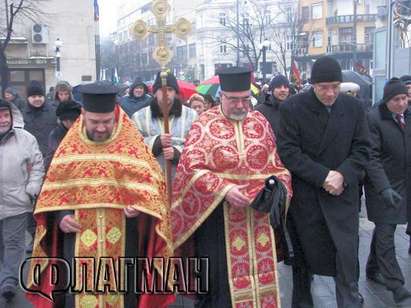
[
  {"x": 388, "y": 185},
  {"x": 137, "y": 98},
  {"x": 62, "y": 93},
  {"x": 17, "y": 104},
  {"x": 39, "y": 120},
  {"x": 39, "y": 115},
  {"x": 279, "y": 91},
  {"x": 406, "y": 79},
  {"x": 323, "y": 141},
  {"x": 11, "y": 96},
  {"x": 67, "y": 114},
  {"x": 21, "y": 177}
]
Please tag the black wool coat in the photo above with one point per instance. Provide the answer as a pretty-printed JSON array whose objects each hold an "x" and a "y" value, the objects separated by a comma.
[
  {"x": 270, "y": 108},
  {"x": 40, "y": 122},
  {"x": 311, "y": 142},
  {"x": 389, "y": 166}
]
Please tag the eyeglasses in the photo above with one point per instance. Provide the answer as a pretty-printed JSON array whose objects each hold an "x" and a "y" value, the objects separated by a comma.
[{"x": 235, "y": 99}]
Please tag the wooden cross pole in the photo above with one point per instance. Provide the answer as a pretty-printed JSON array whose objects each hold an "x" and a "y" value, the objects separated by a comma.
[{"x": 162, "y": 55}]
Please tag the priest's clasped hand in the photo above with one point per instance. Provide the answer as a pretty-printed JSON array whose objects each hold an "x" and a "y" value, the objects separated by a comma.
[
  {"x": 166, "y": 140},
  {"x": 168, "y": 153},
  {"x": 69, "y": 224},
  {"x": 131, "y": 212},
  {"x": 334, "y": 183},
  {"x": 236, "y": 198}
]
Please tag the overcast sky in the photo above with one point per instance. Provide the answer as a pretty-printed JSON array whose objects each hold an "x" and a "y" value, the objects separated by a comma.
[{"x": 107, "y": 16}]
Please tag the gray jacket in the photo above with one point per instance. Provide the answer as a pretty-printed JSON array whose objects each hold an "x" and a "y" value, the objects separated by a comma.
[{"x": 21, "y": 172}]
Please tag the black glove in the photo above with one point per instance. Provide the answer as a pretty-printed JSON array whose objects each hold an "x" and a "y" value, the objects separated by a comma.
[{"x": 391, "y": 197}]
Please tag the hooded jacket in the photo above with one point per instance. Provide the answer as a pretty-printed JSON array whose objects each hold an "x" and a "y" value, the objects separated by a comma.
[
  {"x": 22, "y": 172},
  {"x": 131, "y": 103}
]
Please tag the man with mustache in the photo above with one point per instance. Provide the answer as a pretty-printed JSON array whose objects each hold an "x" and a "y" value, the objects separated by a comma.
[{"x": 229, "y": 153}]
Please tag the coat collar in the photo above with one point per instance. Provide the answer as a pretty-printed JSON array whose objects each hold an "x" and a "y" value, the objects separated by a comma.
[
  {"x": 176, "y": 110},
  {"x": 272, "y": 102},
  {"x": 316, "y": 106},
  {"x": 386, "y": 114}
]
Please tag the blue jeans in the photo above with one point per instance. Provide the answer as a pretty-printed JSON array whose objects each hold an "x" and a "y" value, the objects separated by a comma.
[{"x": 12, "y": 248}]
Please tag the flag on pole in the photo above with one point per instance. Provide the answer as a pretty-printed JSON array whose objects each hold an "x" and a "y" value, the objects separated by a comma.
[
  {"x": 295, "y": 74},
  {"x": 96, "y": 11},
  {"x": 359, "y": 68}
]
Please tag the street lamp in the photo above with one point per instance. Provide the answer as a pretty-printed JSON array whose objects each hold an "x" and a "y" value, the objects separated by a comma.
[
  {"x": 264, "y": 46},
  {"x": 58, "y": 44}
]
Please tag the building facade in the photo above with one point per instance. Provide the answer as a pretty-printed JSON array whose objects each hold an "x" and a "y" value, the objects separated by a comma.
[
  {"x": 32, "y": 53},
  {"x": 212, "y": 43},
  {"x": 341, "y": 28}
]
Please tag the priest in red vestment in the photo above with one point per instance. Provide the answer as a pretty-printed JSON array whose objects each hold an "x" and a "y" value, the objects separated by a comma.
[
  {"x": 103, "y": 197},
  {"x": 229, "y": 152}
]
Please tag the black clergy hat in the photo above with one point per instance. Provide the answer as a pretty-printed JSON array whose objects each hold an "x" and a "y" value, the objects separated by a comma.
[
  {"x": 99, "y": 97},
  {"x": 235, "y": 79}
]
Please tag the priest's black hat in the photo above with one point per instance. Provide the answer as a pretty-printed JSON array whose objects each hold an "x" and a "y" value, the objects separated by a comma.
[
  {"x": 235, "y": 79},
  {"x": 99, "y": 97}
]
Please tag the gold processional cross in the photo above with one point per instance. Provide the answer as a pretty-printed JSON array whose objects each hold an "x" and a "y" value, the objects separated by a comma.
[{"x": 162, "y": 55}]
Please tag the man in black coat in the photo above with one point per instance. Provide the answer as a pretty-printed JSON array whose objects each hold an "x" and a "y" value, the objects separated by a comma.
[
  {"x": 270, "y": 107},
  {"x": 323, "y": 142},
  {"x": 39, "y": 119},
  {"x": 387, "y": 185},
  {"x": 39, "y": 115}
]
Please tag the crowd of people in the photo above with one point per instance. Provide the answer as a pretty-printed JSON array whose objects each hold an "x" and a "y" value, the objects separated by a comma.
[{"x": 68, "y": 168}]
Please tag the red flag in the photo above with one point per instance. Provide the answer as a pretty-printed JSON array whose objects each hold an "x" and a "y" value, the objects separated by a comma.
[
  {"x": 295, "y": 74},
  {"x": 358, "y": 67}
]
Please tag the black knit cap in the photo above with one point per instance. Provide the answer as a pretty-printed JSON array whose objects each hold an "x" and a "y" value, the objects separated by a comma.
[
  {"x": 406, "y": 79},
  {"x": 99, "y": 97},
  {"x": 278, "y": 81},
  {"x": 35, "y": 88},
  {"x": 326, "y": 69},
  {"x": 170, "y": 80},
  {"x": 234, "y": 79},
  {"x": 393, "y": 88},
  {"x": 69, "y": 110}
]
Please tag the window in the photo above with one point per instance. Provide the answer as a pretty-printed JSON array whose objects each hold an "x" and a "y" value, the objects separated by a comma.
[
  {"x": 317, "y": 11},
  {"x": 289, "y": 13},
  {"x": 345, "y": 35},
  {"x": 192, "y": 50},
  {"x": 317, "y": 39},
  {"x": 267, "y": 14},
  {"x": 305, "y": 14},
  {"x": 222, "y": 19},
  {"x": 223, "y": 48},
  {"x": 144, "y": 59},
  {"x": 182, "y": 53},
  {"x": 369, "y": 35}
]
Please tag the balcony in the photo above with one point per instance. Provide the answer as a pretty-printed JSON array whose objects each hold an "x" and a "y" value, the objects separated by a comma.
[
  {"x": 348, "y": 48},
  {"x": 349, "y": 19}
]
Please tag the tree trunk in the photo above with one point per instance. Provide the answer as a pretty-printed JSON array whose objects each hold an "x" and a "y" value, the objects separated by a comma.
[{"x": 4, "y": 71}]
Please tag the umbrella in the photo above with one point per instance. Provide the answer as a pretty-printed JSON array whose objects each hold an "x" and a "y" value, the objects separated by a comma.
[
  {"x": 186, "y": 89},
  {"x": 212, "y": 87},
  {"x": 363, "y": 81}
]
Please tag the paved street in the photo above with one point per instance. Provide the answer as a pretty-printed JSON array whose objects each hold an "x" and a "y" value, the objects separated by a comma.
[{"x": 323, "y": 287}]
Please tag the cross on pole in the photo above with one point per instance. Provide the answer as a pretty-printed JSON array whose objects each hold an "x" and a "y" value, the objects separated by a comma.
[
  {"x": 140, "y": 30},
  {"x": 162, "y": 55}
]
